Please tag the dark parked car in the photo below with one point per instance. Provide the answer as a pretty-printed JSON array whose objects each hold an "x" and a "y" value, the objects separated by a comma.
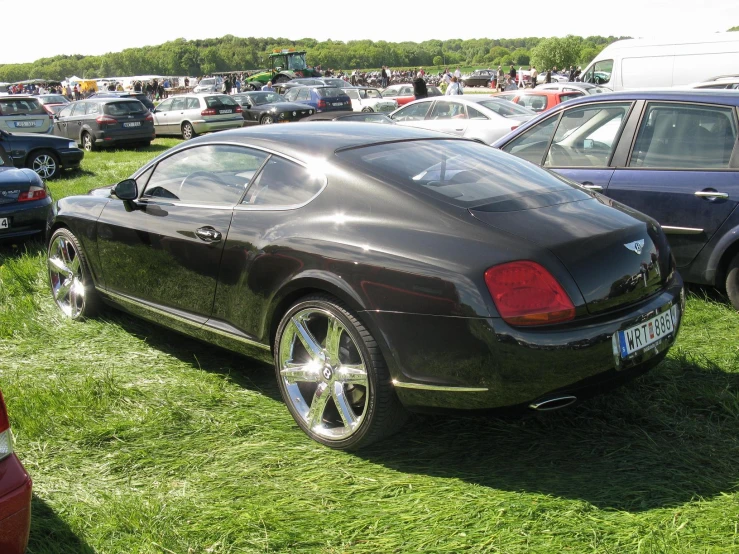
[
  {"x": 380, "y": 268},
  {"x": 47, "y": 155},
  {"x": 672, "y": 155},
  {"x": 351, "y": 117},
  {"x": 261, "y": 108},
  {"x": 25, "y": 202},
  {"x": 479, "y": 78},
  {"x": 320, "y": 98},
  {"x": 105, "y": 122},
  {"x": 140, "y": 96}
]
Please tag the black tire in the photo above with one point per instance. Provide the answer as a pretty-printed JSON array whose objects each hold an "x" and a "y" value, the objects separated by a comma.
[
  {"x": 266, "y": 119},
  {"x": 732, "y": 282},
  {"x": 45, "y": 163},
  {"x": 187, "y": 131},
  {"x": 373, "y": 402},
  {"x": 69, "y": 270},
  {"x": 88, "y": 142},
  {"x": 367, "y": 109}
]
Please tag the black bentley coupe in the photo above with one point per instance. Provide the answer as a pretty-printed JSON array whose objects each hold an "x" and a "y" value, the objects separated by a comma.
[
  {"x": 261, "y": 108},
  {"x": 380, "y": 268}
]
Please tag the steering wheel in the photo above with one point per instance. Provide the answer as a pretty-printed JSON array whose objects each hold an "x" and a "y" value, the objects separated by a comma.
[{"x": 558, "y": 155}]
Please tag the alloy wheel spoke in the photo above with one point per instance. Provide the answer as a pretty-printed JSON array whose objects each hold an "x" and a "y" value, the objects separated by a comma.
[
  {"x": 318, "y": 405},
  {"x": 333, "y": 335},
  {"x": 301, "y": 373},
  {"x": 342, "y": 404},
  {"x": 354, "y": 374},
  {"x": 74, "y": 265},
  {"x": 58, "y": 266},
  {"x": 63, "y": 291},
  {"x": 306, "y": 338}
]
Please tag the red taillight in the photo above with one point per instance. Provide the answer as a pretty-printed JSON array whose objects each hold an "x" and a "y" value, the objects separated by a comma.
[
  {"x": 239, "y": 110},
  {"x": 33, "y": 193},
  {"x": 106, "y": 120},
  {"x": 149, "y": 117},
  {"x": 209, "y": 111},
  {"x": 6, "y": 439},
  {"x": 527, "y": 294},
  {"x": 321, "y": 104},
  {"x": 4, "y": 423}
]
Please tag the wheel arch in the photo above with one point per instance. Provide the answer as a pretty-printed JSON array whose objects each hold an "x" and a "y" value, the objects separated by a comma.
[{"x": 727, "y": 256}]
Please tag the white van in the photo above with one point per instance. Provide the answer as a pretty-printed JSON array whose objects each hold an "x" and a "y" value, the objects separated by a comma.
[{"x": 641, "y": 63}]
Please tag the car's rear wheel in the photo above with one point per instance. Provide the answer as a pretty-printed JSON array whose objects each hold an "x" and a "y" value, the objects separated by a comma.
[
  {"x": 732, "y": 282},
  {"x": 266, "y": 120},
  {"x": 187, "y": 131},
  {"x": 333, "y": 377},
  {"x": 88, "y": 144},
  {"x": 367, "y": 109},
  {"x": 45, "y": 163},
  {"x": 69, "y": 276}
]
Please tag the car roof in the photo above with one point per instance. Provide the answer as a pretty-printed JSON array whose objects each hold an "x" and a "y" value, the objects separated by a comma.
[
  {"x": 319, "y": 139},
  {"x": 728, "y": 97},
  {"x": 17, "y": 97}
]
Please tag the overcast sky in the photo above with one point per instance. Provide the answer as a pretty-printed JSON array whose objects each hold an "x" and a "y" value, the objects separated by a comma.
[{"x": 93, "y": 29}]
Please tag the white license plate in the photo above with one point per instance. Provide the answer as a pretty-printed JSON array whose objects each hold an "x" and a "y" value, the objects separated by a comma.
[
  {"x": 4, "y": 223},
  {"x": 227, "y": 111},
  {"x": 132, "y": 124},
  {"x": 25, "y": 123},
  {"x": 337, "y": 104},
  {"x": 641, "y": 336}
]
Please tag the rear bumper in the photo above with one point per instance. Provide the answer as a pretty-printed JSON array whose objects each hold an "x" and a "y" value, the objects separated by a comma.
[
  {"x": 25, "y": 220},
  {"x": 482, "y": 363},
  {"x": 15, "y": 506},
  {"x": 109, "y": 139},
  {"x": 210, "y": 125}
]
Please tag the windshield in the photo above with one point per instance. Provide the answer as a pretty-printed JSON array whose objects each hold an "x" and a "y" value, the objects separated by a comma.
[
  {"x": 504, "y": 107},
  {"x": 259, "y": 98},
  {"x": 458, "y": 172},
  {"x": 296, "y": 62}
]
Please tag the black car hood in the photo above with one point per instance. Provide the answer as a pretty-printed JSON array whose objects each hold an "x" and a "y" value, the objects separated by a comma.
[
  {"x": 616, "y": 256},
  {"x": 284, "y": 106},
  {"x": 38, "y": 138}
]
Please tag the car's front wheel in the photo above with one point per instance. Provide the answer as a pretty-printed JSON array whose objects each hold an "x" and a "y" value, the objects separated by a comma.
[
  {"x": 45, "y": 164},
  {"x": 732, "y": 282},
  {"x": 187, "y": 131},
  {"x": 333, "y": 377},
  {"x": 69, "y": 276},
  {"x": 266, "y": 120},
  {"x": 367, "y": 109}
]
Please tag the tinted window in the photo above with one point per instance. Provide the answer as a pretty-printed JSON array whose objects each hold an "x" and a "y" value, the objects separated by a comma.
[
  {"x": 218, "y": 101},
  {"x": 20, "y": 106},
  {"x": 461, "y": 173},
  {"x": 413, "y": 112},
  {"x": 133, "y": 107},
  {"x": 682, "y": 136},
  {"x": 474, "y": 114},
  {"x": 265, "y": 97},
  {"x": 532, "y": 145},
  {"x": 283, "y": 183},
  {"x": 330, "y": 92},
  {"x": 211, "y": 174},
  {"x": 586, "y": 136}
]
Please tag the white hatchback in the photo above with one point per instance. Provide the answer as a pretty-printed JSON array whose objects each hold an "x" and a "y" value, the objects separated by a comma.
[{"x": 23, "y": 114}]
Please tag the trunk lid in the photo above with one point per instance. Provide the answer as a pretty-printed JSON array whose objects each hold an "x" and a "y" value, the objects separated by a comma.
[
  {"x": 616, "y": 256},
  {"x": 13, "y": 182}
]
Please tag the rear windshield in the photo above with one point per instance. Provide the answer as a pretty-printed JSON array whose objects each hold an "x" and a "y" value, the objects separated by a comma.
[
  {"x": 53, "y": 99},
  {"x": 505, "y": 108},
  {"x": 330, "y": 92},
  {"x": 20, "y": 106},
  {"x": 124, "y": 108},
  {"x": 462, "y": 173},
  {"x": 222, "y": 100}
]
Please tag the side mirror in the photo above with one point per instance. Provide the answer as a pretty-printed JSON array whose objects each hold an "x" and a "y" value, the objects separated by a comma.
[{"x": 126, "y": 190}]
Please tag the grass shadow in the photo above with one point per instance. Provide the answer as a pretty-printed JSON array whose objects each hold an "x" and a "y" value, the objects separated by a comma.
[
  {"x": 663, "y": 440},
  {"x": 76, "y": 173},
  {"x": 50, "y": 534},
  {"x": 14, "y": 248}
]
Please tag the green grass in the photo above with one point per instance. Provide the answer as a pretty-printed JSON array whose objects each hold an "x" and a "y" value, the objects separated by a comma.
[{"x": 143, "y": 441}]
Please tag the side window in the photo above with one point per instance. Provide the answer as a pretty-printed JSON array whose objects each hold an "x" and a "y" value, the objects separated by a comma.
[
  {"x": 413, "y": 112},
  {"x": 142, "y": 179},
  {"x": 304, "y": 94},
  {"x": 683, "y": 136},
  {"x": 602, "y": 72},
  {"x": 586, "y": 136},
  {"x": 532, "y": 145},
  {"x": 391, "y": 92},
  {"x": 406, "y": 91},
  {"x": 291, "y": 94},
  {"x": 352, "y": 94},
  {"x": 474, "y": 114},
  {"x": 211, "y": 174},
  {"x": 79, "y": 108},
  {"x": 93, "y": 108},
  {"x": 66, "y": 112},
  {"x": 283, "y": 183},
  {"x": 192, "y": 104},
  {"x": 165, "y": 106},
  {"x": 178, "y": 104},
  {"x": 441, "y": 110}
]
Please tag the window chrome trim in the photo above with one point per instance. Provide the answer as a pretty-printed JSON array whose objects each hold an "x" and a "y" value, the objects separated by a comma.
[
  {"x": 670, "y": 230},
  {"x": 437, "y": 388}
]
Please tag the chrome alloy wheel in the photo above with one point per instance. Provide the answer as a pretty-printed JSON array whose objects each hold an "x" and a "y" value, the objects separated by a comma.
[
  {"x": 324, "y": 374},
  {"x": 44, "y": 165},
  {"x": 65, "y": 276}
]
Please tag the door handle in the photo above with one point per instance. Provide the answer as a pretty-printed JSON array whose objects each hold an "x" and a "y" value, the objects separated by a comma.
[
  {"x": 711, "y": 194},
  {"x": 208, "y": 234},
  {"x": 590, "y": 186}
]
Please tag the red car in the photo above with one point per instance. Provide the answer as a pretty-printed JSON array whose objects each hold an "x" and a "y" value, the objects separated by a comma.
[
  {"x": 403, "y": 94},
  {"x": 15, "y": 493},
  {"x": 538, "y": 100}
]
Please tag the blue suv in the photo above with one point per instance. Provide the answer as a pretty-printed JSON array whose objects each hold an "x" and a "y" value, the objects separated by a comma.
[
  {"x": 672, "y": 155},
  {"x": 322, "y": 98}
]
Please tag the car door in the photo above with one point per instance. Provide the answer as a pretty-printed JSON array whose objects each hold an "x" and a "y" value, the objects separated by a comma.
[
  {"x": 76, "y": 121},
  {"x": 447, "y": 116},
  {"x": 414, "y": 115},
  {"x": 584, "y": 142},
  {"x": 164, "y": 250},
  {"x": 161, "y": 117},
  {"x": 680, "y": 172},
  {"x": 354, "y": 97},
  {"x": 61, "y": 122},
  {"x": 177, "y": 113}
]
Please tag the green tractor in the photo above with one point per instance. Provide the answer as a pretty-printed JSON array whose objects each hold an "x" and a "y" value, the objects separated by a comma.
[{"x": 284, "y": 66}]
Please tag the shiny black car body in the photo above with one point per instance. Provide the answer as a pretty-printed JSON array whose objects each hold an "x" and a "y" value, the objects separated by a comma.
[
  {"x": 47, "y": 155},
  {"x": 25, "y": 202},
  {"x": 480, "y": 78},
  {"x": 351, "y": 117},
  {"x": 363, "y": 259},
  {"x": 260, "y": 108}
]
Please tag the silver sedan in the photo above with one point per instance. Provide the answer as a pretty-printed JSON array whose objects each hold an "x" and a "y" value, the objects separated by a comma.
[{"x": 478, "y": 117}]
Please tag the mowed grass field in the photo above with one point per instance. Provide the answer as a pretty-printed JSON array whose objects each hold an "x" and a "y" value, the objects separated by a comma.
[{"x": 140, "y": 440}]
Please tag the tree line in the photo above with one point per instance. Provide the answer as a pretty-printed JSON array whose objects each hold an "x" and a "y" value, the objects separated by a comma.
[{"x": 230, "y": 53}]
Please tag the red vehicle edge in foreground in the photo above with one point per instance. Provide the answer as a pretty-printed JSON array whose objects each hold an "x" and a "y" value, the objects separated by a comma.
[{"x": 15, "y": 493}]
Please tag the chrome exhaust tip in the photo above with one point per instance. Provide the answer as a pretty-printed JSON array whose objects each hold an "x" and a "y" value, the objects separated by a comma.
[{"x": 554, "y": 403}]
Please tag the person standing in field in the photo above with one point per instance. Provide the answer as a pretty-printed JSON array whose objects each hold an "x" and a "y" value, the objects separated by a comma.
[
  {"x": 534, "y": 75},
  {"x": 419, "y": 87}
]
